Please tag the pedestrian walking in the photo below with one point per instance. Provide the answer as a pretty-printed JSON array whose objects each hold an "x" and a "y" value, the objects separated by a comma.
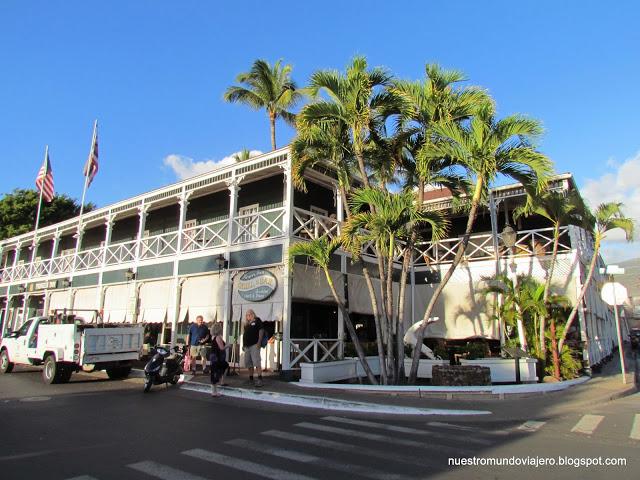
[
  {"x": 251, "y": 340},
  {"x": 218, "y": 359},
  {"x": 197, "y": 340}
]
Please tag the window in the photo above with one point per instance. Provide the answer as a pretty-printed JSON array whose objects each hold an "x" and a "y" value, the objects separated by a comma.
[
  {"x": 24, "y": 328},
  {"x": 248, "y": 221}
]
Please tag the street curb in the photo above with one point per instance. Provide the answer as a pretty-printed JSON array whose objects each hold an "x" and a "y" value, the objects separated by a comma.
[
  {"x": 326, "y": 403},
  {"x": 501, "y": 390}
]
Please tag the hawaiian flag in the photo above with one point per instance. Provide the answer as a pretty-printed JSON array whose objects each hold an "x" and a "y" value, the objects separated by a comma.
[
  {"x": 91, "y": 167},
  {"x": 44, "y": 180}
]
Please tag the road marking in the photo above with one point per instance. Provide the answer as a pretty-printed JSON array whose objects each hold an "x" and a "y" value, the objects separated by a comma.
[
  {"x": 298, "y": 456},
  {"x": 635, "y": 428},
  {"x": 466, "y": 428},
  {"x": 531, "y": 426},
  {"x": 164, "y": 472},
  {"x": 412, "y": 431},
  {"x": 19, "y": 456},
  {"x": 345, "y": 447},
  {"x": 587, "y": 424},
  {"x": 35, "y": 399},
  {"x": 83, "y": 477},
  {"x": 245, "y": 465}
]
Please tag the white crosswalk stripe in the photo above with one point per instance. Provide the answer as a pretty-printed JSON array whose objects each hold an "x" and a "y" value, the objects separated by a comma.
[
  {"x": 378, "y": 438},
  {"x": 345, "y": 447},
  {"x": 163, "y": 472},
  {"x": 531, "y": 426},
  {"x": 587, "y": 424},
  {"x": 82, "y": 477},
  {"x": 245, "y": 465},
  {"x": 298, "y": 456},
  {"x": 635, "y": 428},
  {"x": 465, "y": 428},
  {"x": 399, "y": 429}
]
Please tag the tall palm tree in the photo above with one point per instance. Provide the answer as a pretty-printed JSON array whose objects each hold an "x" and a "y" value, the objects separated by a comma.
[
  {"x": 353, "y": 99},
  {"x": 607, "y": 217},
  {"x": 561, "y": 209},
  {"x": 268, "y": 87},
  {"x": 386, "y": 219},
  {"x": 320, "y": 251},
  {"x": 242, "y": 155},
  {"x": 485, "y": 148}
]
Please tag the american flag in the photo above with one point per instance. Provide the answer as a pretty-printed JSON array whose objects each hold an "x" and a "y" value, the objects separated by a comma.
[
  {"x": 91, "y": 167},
  {"x": 44, "y": 180}
]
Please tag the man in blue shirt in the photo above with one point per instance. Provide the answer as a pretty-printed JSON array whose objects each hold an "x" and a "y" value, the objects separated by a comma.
[{"x": 197, "y": 339}]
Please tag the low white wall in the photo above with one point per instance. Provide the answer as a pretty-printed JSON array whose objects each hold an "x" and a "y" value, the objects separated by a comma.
[{"x": 503, "y": 370}]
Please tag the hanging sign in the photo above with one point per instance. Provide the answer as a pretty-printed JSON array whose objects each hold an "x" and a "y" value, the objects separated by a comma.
[{"x": 257, "y": 285}]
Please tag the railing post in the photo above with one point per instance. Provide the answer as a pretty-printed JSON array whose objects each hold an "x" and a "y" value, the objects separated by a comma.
[
  {"x": 287, "y": 283},
  {"x": 16, "y": 259},
  {"x": 315, "y": 350},
  {"x": 79, "y": 235},
  {"x": 34, "y": 254},
  {"x": 234, "y": 188},
  {"x": 54, "y": 249}
]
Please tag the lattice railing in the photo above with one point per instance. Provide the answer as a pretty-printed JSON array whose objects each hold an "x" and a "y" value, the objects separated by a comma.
[
  {"x": 121, "y": 253},
  {"x": 88, "y": 259},
  {"x": 202, "y": 237},
  {"x": 310, "y": 225},
  {"x": 313, "y": 350},
  {"x": 259, "y": 226},
  {"x": 159, "y": 246}
]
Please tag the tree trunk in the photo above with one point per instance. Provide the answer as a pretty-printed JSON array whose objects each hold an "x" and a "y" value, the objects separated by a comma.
[
  {"x": 376, "y": 318},
  {"x": 554, "y": 350},
  {"x": 547, "y": 291},
  {"x": 272, "y": 124},
  {"x": 406, "y": 259},
  {"x": 389, "y": 306},
  {"x": 475, "y": 201},
  {"x": 362, "y": 168},
  {"x": 583, "y": 291},
  {"x": 351, "y": 329},
  {"x": 384, "y": 320}
]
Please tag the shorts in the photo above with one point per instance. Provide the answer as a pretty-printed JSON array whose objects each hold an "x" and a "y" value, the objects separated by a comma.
[
  {"x": 199, "y": 351},
  {"x": 252, "y": 356}
]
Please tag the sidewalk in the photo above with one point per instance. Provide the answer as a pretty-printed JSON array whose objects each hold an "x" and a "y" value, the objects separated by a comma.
[{"x": 509, "y": 400}]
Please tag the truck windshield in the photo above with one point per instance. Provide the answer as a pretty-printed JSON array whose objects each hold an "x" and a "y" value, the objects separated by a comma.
[{"x": 24, "y": 328}]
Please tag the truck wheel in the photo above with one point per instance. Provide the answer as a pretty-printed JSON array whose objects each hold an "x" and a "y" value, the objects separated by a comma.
[
  {"x": 5, "y": 364},
  {"x": 117, "y": 373},
  {"x": 51, "y": 370}
]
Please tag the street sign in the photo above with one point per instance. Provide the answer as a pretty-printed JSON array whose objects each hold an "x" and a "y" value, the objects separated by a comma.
[{"x": 614, "y": 293}]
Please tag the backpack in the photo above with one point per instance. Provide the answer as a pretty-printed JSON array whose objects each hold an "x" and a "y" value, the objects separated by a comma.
[{"x": 269, "y": 329}]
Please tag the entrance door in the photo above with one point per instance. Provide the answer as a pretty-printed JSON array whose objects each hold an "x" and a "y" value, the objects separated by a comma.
[{"x": 248, "y": 220}]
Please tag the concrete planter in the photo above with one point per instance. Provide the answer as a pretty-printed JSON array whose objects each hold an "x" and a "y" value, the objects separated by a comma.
[
  {"x": 503, "y": 370},
  {"x": 326, "y": 372},
  {"x": 425, "y": 367}
]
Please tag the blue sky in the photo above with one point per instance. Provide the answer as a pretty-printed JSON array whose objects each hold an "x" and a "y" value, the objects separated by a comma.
[{"x": 153, "y": 73}]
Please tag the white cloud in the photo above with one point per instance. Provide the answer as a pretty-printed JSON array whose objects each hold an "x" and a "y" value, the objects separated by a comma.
[
  {"x": 186, "y": 167},
  {"x": 620, "y": 184}
]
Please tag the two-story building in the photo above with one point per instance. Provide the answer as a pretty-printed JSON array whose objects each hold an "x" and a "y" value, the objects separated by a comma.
[{"x": 216, "y": 245}]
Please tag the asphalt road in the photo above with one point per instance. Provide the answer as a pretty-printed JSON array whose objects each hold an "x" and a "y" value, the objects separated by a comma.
[{"x": 93, "y": 428}]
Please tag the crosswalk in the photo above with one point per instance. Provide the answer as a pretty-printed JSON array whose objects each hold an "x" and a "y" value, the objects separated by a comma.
[{"x": 337, "y": 447}]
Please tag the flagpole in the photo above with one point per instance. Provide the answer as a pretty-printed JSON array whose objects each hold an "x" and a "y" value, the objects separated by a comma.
[
  {"x": 84, "y": 193},
  {"x": 35, "y": 231}
]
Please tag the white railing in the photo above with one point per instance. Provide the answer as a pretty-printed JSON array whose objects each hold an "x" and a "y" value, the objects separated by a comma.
[
  {"x": 62, "y": 264},
  {"x": 40, "y": 268},
  {"x": 480, "y": 247},
  {"x": 89, "y": 259},
  {"x": 121, "y": 253},
  {"x": 259, "y": 226},
  {"x": 310, "y": 225},
  {"x": 314, "y": 350},
  {"x": 161, "y": 245},
  {"x": 203, "y": 237}
]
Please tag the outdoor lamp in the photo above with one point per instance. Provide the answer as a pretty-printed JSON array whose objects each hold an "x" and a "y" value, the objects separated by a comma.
[
  {"x": 509, "y": 236},
  {"x": 221, "y": 262},
  {"x": 130, "y": 275}
]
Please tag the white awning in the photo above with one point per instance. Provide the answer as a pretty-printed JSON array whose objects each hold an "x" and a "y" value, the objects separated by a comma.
[
  {"x": 153, "y": 315},
  {"x": 86, "y": 299},
  {"x": 156, "y": 295},
  {"x": 117, "y": 316},
  {"x": 116, "y": 303},
  {"x": 202, "y": 295},
  {"x": 310, "y": 283},
  {"x": 59, "y": 299}
]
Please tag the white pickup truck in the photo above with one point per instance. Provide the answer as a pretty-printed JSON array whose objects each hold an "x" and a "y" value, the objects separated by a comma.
[{"x": 64, "y": 344}]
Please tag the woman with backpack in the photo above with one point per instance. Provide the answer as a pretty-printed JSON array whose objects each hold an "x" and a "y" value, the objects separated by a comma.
[{"x": 218, "y": 359}]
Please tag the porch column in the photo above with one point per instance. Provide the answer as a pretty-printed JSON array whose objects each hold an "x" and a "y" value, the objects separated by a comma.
[
  {"x": 16, "y": 258},
  {"x": 107, "y": 241},
  {"x": 287, "y": 273},
  {"x": 54, "y": 249},
  {"x": 143, "y": 212},
  {"x": 183, "y": 201},
  {"x": 234, "y": 187},
  {"x": 343, "y": 271},
  {"x": 79, "y": 235},
  {"x": 5, "y": 318}
]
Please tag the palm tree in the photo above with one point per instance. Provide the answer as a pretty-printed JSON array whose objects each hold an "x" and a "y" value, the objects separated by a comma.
[
  {"x": 608, "y": 216},
  {"x": 354, "y": 100},
  {"x": 561, "y": 209},
  {"x": 268, "y": 87},
  {"x": 319, "y": 251},
  {"x": 386, "y": 219},
  {"x": 485, "y": 148},
  {"x": 242, "y": 155}
]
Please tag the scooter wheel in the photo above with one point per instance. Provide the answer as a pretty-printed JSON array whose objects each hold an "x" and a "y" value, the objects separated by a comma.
[
  {"x": 147, "y": 385},
  {"x": 174, "y": 380}
]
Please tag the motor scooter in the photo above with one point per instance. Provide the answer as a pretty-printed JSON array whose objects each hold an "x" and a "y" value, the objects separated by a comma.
[{"x": 164, "y": 367}]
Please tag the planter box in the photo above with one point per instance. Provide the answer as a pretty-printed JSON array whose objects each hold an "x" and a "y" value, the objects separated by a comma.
[
  {"x": 425, "y": 367},
  {"x": 503, "y": 370},
  {"x": 326, "y": 372}
]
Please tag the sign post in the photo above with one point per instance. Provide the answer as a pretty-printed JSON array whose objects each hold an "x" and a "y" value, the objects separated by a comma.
[{"x": 615, "y": 294}]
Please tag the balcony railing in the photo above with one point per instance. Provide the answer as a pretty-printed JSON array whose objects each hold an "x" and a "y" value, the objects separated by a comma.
[
  {"x": 259, "y": 226},
  {"x": 310, "y": 225},
  {"x": 314, "y": 350}
]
